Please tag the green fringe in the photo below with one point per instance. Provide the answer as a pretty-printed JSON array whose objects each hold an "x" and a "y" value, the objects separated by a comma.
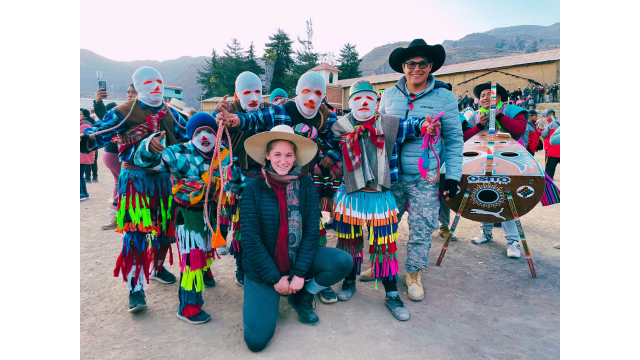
[{"x": 322, "y": 241}]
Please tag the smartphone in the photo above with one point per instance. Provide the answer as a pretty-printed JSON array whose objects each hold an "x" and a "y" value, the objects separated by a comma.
[{"x": 102, "y": 85}]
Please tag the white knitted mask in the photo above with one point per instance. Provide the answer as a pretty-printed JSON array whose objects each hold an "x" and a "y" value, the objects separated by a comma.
[
  {"x": 149, "y": 85},
  {"x": 203, "y": 139},
  {"x": 309, "y": 93},
  {"x": 249, "y": 91},
  {"x": 363, "y": 105}
]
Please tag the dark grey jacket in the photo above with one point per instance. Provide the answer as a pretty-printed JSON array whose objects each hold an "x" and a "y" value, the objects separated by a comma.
[{"x": 260, "y": 222}]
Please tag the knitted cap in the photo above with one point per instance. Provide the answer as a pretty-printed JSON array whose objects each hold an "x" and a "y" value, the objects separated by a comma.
[
  {"x": 199, "y": 120},
  {"x": 360, "y": 85}
]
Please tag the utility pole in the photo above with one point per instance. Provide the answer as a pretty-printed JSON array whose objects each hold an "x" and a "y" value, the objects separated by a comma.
[{"x": 201, "y": 96}]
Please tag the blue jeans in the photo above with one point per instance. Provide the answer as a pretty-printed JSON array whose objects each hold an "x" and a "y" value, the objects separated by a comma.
[
  {"x": 83, "y": 185},
  {"x": 509, "y": 227}
]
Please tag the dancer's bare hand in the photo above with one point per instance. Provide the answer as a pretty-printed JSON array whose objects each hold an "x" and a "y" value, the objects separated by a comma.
[
  {"x": 327, "y": 163},
  {"x": 229, "y": 120},
  {"x": 155, "y": 145},
  {"x": 296, "y": 284},
  {"x": 483, "y": 119},
  {"x": 223, "y": 104},
  {"x": 101, "y": 94},
  {"x": 282, "y": 287},
  {"x": 317, "y": 171}
]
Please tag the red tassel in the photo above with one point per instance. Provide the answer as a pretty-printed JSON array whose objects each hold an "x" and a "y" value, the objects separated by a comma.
[
  {"x": 116, "y": 271},
  {"x": 191, "y": 310},
  {"x": 170, "y": 256}
]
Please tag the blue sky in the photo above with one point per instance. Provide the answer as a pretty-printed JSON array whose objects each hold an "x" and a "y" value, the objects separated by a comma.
[
  {"x": 199, "y": 25},
  {"x": 481, "y": 16}
]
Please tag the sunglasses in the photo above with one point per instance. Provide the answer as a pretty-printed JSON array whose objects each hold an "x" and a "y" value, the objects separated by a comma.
[{"x": 412, "y": 65}]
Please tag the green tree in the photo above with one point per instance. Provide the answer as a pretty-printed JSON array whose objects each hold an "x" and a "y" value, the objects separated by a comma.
[
  {"x": 230, "y": 66},
  {"x": 533, "y": 48},
  {"x": 251, "y": 64},
  {"x": 521, "y": 44},
  {"x": 307, "y": 58},
  {"x": 349, "y": 62},
  {"x": 205, "y": 77},
  {"x": 500, "y": 44},
  {"x": 279, "y": 51}
]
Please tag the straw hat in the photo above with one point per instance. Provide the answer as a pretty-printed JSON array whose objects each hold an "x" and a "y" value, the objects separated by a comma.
[
  {"x": 178, "y": 106},
  {"x": 256, "y": 146}
]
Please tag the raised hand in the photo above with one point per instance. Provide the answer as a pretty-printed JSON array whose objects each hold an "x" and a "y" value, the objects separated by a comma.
[{"x": 223, "y": 104}]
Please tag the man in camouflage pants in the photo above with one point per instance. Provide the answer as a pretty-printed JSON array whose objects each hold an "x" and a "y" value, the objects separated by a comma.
[
  {"x": 423, "y": 219},
  {"x": 418, "y": 94}
]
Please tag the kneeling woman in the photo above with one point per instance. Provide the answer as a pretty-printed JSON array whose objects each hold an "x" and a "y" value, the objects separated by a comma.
[{"x": 279, "y": 218}]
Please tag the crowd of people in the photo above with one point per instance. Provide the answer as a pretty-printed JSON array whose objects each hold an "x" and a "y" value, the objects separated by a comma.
[
  {"x": 527, "y": 98},
  {"x": 179, "y": 177}
]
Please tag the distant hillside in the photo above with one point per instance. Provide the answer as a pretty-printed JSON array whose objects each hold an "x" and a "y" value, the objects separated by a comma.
[
  {"x": 494, "y": 43},
  {"x": 179, "y": 72}
]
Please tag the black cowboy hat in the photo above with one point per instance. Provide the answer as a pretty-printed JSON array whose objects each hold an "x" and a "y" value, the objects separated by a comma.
[
  {"x": 501, "y": 91},
  {"x": 434, "y": 52}
]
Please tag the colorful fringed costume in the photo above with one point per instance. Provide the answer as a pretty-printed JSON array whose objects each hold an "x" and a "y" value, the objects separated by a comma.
[
  {"x": 145, "y": 212},
  {"x": 364, "y": 198},
  {"x": 190, "y": 167}
]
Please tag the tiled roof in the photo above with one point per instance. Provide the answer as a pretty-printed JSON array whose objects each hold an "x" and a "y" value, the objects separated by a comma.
[
  {"x": 325, "y": 66},
  {"x": 501, "y": 62},
  {"x": 374, "y": 79}
]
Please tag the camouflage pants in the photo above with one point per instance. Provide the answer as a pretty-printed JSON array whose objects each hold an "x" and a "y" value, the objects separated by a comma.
[{"x": 424, "y": 208}]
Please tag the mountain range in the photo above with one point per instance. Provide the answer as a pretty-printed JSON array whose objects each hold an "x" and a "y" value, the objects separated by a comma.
[{"x": 182, "y": 71}]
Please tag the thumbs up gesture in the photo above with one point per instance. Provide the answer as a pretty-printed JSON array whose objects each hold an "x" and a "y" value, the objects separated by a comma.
[{"x": 155, "y": 145}]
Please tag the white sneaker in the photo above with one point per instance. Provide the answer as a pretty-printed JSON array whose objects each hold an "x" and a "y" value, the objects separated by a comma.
[
  {"x": 557, "y": 246},
  {"x": 482, "y": 237},
  {"x": 513, "y": 251}
]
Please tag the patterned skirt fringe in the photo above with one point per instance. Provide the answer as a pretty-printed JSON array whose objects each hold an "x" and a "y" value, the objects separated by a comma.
[
  {"x": 378, "y": 211},
  {"x": 322, "y": 240},
  {"x": 196, "y": 255},
  {"x": 236, "y": 240},
  {"x": 145, "y": 217}
]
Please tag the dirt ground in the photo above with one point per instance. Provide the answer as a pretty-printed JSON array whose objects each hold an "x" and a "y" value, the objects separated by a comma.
[{"x": 479, "y": 304}]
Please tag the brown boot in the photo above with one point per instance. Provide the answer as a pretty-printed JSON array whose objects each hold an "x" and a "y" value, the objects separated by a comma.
[
  {"x": 414, "y": 283},
  {"x": 111, "y": 225}
]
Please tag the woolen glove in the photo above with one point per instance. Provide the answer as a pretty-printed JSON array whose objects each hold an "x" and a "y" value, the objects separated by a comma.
[{"x": 451, "y": 186}]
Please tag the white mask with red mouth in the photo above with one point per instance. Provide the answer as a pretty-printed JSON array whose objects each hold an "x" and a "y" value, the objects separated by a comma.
[
  {"x": 309, "y": 93},
  {"x": 204, "y": 139},
  {"x": 249, "y": 91},
  {"x": 363, "y": 105},
  {"x": 149, "y": 85}
]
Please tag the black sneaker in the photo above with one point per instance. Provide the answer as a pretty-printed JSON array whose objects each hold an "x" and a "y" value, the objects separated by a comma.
[
  {"x": 397, "y": 308},
  {"x": 201, "y": 318},
  {"x": 346, "y": 291},
  {"x": 328, "y": 296},
  {"x": 304, "y": 303},
  {"x": 137, "y": 301},
  {"x": 95, "y": 179},
  {"x": 209, "y": 281},
  {"x": 240, "y": 279},
  {"x": 163, "y": 276},
  {"x": 87, "y": 180}
]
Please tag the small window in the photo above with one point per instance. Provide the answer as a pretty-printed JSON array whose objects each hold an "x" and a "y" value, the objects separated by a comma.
[
  {"x": 330, "y": 78},
  {"x": 178, "y": 92}
]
